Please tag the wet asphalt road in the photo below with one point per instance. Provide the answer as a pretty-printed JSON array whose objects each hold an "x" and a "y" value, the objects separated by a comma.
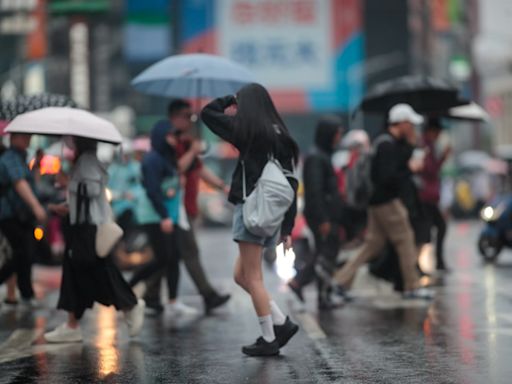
[{"x": 464, "y": 336}]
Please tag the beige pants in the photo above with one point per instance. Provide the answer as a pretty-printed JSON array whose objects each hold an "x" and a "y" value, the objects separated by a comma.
[{"x": 388, "y": 221}]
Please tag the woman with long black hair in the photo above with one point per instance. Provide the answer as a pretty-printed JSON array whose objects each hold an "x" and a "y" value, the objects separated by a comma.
[
  {"x": 87, "y": 278},
  {"x": 258, "y": 132}
]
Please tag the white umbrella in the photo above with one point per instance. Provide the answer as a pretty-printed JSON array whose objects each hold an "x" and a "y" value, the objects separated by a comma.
[
  {"x": 60, "y": 121},
  {"x": 472, "y": 111}
]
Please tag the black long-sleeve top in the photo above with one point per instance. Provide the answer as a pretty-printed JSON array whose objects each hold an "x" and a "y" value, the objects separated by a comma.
[
  {"x": 389, "y": 170},
  {"x": 223, "y": 126},
  {"x": 323, "y": 201}
]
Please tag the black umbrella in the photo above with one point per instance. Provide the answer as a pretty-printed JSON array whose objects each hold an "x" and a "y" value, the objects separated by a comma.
[
  {"x": 425, "y": 94},
  {"x": 21, "y": 104}
]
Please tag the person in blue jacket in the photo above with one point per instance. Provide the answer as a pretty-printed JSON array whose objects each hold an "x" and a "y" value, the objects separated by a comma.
[{"x": 155, "y": 211}]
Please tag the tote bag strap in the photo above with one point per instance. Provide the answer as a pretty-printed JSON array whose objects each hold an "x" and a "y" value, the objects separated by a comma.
[{"x": 81, "y": 200}]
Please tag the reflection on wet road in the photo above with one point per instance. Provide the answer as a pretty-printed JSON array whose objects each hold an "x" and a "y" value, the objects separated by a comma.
[{"x": 464, "y": 336}]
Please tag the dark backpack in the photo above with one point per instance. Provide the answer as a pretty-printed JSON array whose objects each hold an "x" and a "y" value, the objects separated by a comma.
[{"x": 358, "y": 180}]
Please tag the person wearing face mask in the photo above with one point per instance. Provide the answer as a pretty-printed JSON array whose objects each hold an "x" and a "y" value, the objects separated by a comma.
[
  {"x": 323, "y": 204},
  {"x": 88, "y": 278}
]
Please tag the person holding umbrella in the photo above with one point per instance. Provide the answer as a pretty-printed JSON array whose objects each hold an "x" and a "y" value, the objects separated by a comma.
[
  {"x": 19, "y": 210},
  {"x": 86, "y": 277},
  {"x": 259, "y": 133}
]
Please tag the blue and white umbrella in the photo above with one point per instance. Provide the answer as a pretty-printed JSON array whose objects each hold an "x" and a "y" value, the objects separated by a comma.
[{"x": 193, "y": 76}]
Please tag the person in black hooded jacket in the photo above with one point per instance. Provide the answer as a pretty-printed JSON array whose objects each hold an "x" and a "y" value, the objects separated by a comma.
[
  {"x": 323, "y": 204},
  {"x": 158, "y": 165}
]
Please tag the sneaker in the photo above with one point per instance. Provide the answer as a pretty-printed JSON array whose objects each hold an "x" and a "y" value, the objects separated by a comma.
[
  {"x": 340, "y": 291},
  {"x": 215, "y": 301},
  {"x": 330, "y": 303},
  {"x": 285, "y": 332},
  {"x": 297, "y": 290},
  {"x": 32, "y": 303},
  {"x": 64, "y": 334},
  {"x": 418, "y": 293},
  {"x": 180, "y": 309},
  {"x": 10, "y": 304},
  {"x": 154, "y": 308},
  {"x": 134, "y": 318},
  {"x": 262, "y": 348}
]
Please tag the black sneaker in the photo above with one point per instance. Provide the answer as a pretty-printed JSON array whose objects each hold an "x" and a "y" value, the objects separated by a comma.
[
  {"x": 154, "y": 308},
  {"x": 328, "y": 304},
  {"x": 340, "y": 291},
  {"x": 285, "y": 332},
  {"x": 10, "y": 304},
  {"x": 262, "y": 348},
  {"x": 215, "y": 301}
]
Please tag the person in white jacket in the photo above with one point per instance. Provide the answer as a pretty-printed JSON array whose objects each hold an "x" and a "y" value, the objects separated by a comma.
[{"x": 98, "y": 280}]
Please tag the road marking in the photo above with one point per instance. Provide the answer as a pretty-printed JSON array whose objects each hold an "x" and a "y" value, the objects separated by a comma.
[
  {"x": 18, "y": 345},
  {"x": 311, "y": 326},
  {"x": 325, "y": 352}
]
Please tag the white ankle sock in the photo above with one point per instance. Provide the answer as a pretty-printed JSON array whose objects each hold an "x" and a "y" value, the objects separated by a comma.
[
  {"x": 267, "y": 327},
  {"x": 278, "y": 317}
]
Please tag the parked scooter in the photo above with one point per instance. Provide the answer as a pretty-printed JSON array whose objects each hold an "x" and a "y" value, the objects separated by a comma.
[{"x": 497, "y": 232}]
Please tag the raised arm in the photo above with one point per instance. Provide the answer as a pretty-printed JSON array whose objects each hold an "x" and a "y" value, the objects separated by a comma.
[{"x": 214, "y": 117}]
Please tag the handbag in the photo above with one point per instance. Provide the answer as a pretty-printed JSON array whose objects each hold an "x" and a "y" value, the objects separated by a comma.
[
  {"x": 82, "y": 236},
  {"x": 107, "y": 235},
  {"x": 264, "y": 209}
]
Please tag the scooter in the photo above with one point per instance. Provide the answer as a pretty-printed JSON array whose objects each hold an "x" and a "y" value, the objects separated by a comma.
[{"x": 497, "y": 232}]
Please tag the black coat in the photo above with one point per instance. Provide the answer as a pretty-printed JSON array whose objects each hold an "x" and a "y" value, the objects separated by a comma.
[
  {"x": 323, "y": 201},
  {"x": 254, "y": 159}
]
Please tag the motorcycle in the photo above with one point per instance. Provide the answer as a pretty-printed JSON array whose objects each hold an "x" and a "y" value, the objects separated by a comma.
[{"x": 497, "y": 232}]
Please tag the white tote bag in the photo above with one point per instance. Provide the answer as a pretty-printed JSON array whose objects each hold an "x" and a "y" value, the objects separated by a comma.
[{"x": 264, "y": 209}]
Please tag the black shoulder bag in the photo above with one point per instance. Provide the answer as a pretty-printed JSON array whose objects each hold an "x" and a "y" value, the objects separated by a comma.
[{"x": 82, "y": 235}]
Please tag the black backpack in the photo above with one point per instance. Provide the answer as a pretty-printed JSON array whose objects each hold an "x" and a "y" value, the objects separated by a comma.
[{"x": 358, "y": 179}]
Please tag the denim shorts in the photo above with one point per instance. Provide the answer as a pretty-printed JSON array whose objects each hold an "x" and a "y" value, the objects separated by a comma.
[{"x": 241, "y": 234}]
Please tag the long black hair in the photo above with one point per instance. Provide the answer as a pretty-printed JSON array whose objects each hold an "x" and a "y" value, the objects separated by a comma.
[{"x": 258, "y": 124}]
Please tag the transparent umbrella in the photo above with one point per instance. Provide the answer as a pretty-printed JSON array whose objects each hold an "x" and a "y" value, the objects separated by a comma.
[{"x": 193, "y": 76}]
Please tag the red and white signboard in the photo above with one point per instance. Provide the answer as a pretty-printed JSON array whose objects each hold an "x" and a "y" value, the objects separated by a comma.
[{"x": 286, "y": 43}]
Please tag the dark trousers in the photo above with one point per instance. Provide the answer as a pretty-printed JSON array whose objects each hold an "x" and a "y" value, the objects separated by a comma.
[
  {"x": 437, "y": 221},
  {"x": 326, "y": 251},
  {"x": 20, "y": 237},
  {"x": 165, "y": 259},
  {"x": 189, "y": 253}
]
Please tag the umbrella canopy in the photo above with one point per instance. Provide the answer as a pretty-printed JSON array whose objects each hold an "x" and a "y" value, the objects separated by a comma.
[
  {"x": 61, "y": 121},
  {"x": 425, "y": 94},
  {"x": 471, "y": 112},
  {"x": 473, "y": 159},
  {"x": 22, "y": 104},
  {"x": 193, "y": 76}
]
